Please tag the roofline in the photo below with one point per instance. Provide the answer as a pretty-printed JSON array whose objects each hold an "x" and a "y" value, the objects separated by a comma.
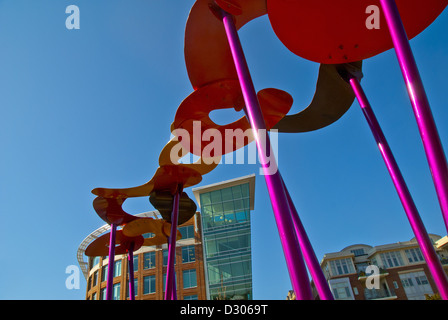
[{"x": 226, "y": 184}]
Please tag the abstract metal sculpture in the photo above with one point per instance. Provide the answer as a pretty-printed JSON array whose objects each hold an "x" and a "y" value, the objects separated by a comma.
[{"x": 220, "y": 78}]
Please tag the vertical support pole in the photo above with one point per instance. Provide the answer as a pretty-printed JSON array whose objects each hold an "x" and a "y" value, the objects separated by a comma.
[
  {"x": 293, "y": 256},
  {"x": 311, "y": 261},
  {"x": 422, "y": 111},
  {"x": 416, "y": 222},
  {"x": 110, "y": 268},
  {"x": 170, "y": 286},
  {"x": 131, "y": 271}
]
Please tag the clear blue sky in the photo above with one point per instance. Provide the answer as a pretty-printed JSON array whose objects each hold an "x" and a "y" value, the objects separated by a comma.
[{"x": 92, "y": 108}]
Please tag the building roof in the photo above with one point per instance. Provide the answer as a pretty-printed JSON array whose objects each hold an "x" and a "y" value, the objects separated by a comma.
[{"x": 226, "y": 184}]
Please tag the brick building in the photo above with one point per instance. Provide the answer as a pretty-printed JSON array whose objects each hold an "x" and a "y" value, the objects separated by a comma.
[
  {"x": 150, "y": 265},
  {"x": 402, "y": 273}
]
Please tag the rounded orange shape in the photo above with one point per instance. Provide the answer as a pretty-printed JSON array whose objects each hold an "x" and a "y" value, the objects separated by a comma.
[{"x": 344, "y": 31}]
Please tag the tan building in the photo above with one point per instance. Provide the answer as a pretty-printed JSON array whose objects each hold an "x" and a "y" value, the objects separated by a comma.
[
  {"x": 150, "y": 265},
  {"x": 394, "y": 271}
]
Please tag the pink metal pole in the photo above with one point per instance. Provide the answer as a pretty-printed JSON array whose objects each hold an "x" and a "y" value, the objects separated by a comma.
[
  {"x": 294, "y": 259},
  {"x": 422, "y": 111},
  {"x": 170, "y": 286},
  {"x": 110, "y": 268},
  {"x": 416, "y": 222},
  {"x": 131, "y": 271},
  {"x": 312, "y": 263}
]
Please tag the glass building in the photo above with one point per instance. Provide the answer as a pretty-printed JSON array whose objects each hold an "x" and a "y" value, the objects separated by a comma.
[{"x": 226, "y": 234}]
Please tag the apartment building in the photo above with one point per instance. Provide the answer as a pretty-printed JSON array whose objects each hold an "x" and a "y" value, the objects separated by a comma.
[{"x": 395, "y": 271}]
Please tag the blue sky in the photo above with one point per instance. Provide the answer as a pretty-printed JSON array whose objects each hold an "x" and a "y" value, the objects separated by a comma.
[{"x": 92, "y": 108}]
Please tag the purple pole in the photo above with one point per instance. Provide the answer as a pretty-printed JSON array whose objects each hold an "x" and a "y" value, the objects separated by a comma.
[
  {"x": 422, "y": 111},
  {"x": 170, "y": 285},
  {"x": 310, "y": 257},
  {"x": 131, "y": 271},
  {"x": 417, "y": 225},
  {"x": 110, "y": 269},
  {"x": 291, "y": 248}
]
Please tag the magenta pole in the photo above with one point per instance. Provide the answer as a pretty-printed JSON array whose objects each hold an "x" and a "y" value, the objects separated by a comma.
[
  {"x": 293, "y": 256},
  {"x": 422, "y": 111},
  {"x": 416, "y": 222},
  {"x": 170, "y": 285},
  {"x": 110, "y": 268},
  {"x": 309, "y": 255},
  {"x": 131, "y": 271}
]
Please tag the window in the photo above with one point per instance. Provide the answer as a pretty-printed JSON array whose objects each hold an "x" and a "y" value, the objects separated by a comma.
[
  {"x": 103, "y": 294},
  {"x": 358, "y": 252},
  {"x": 189, "y": 278},
  {"x": 341, "y": 289},
  {"x": 192, "y": 297},
  {"x": 392, "y": 259},
  {"x": 117, "y": 268},
  {"x": 95, "y": 278},
  {"x": 149, "y": 284},
  {"x": 165, "y": 257},
  {"x": 188, "y": 254},
  {"x": 135, "y": 287},
  {"x": 341, "y": 266},
  {"x": 135, "y": 263},
  {"x": 95, "y": 261},
  {"x": 164, "y": 281},
  {"x": 116, "y": 292},
  {"x": 149, "y": 260},
  {"x": 187, "y": 232},
  {"x": 395, "y": 284},
  {"x": 414, "y": 255},
  {"x": 104, "y": 273}
]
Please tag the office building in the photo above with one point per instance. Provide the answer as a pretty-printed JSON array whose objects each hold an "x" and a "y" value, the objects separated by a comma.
[
  {"x": 213, "y": 258},
  {"x": 226, "y": 235}
]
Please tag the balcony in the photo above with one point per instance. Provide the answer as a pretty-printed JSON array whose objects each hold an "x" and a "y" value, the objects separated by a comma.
[
  {"x": 363, "y": 276},
  {"x": 379, "y": 294}
]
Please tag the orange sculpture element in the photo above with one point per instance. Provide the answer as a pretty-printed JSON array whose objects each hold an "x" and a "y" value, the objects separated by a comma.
[
  {"x": 341, "y": 32},
  {"x": 161, "y": 230},
  {"x": 111, "y": 211},
  {"x": 193, "y": 115},
  {"x": 100, "y": 246}
]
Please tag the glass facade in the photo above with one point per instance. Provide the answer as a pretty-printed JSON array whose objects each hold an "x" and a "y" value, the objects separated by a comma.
[{"x": 227, "y": 242}]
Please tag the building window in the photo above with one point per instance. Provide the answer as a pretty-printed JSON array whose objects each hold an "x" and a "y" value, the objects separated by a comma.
[
  {"x": 135, "y": 262},
  {"x": 165, "y": 257},
  {"x": 135, "y": 287},
  {"x": 188, "y": 254},
  {"x": 117, "y": 268},
  {"x": 358, "y": 252},
  {"x": 164, "y": 281},
  {"x": 395, "y": 284},
  {"x": 95, "y": 278},
  {"x": 189, "y": 278},
  {"x": 149, "y": 260},
  {"x": 187, "y": 232},
  {"x": 95, "y": 261},
  {"x": 341, "y": 289},
  {"x": 341, "y": 266},
  {"x": 192, "y": 297},
  {"x": 103, "y": 294},
  {"x": 116, "y": 291},
  {"x": 414, "y": 255},
  {"x": 149, "y": 284},
  {"x": 392, "y": 259},
  {"x": 104, "y": 273}
]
